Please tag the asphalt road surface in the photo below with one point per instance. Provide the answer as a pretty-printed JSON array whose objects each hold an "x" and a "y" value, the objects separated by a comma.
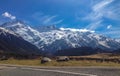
[{"x": 58, "y": 71}]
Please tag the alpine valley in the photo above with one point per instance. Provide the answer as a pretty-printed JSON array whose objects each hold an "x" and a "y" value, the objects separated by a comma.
[{"x": 53, "y": 40}]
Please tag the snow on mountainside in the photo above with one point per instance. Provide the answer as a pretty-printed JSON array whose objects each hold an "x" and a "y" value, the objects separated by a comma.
[
  {"x": 23, "y": 30},
  {"x": 5, "y": 31},
  {"x": 118, "y": 40},
  {"x": 10, "y": 43},
  {"x": 52, "y": 39}
]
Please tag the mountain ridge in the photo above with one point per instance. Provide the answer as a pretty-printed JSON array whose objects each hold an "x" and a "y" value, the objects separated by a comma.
[{"x": 60, "y": 39}]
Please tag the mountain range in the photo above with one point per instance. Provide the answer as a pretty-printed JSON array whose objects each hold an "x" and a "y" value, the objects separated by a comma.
[{"x": 51, "y": 39}]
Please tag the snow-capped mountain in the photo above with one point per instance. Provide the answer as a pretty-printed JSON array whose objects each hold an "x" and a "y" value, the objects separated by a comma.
[
  {"x": 51, "y": 39},
  {"x": 118, "y": 40},
  {"x": 25, "y": 31},
  {"x": 10, "y": 43}
]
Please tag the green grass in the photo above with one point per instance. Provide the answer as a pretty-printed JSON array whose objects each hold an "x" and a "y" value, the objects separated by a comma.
[{"x": 36, "y": 62}]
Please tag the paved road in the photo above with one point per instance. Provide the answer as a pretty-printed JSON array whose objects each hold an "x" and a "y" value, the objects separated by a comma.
[{"x": 64, "y": 71}]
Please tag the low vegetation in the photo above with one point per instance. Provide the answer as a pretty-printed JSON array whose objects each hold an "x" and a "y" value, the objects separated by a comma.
[{"x": 37, "y": 62}]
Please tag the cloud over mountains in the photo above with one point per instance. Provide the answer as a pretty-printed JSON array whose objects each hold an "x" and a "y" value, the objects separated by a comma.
[{"x": 8, "y": 15}]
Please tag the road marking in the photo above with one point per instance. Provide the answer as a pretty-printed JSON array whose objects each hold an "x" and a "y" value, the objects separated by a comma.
[
  {"x": 4, "y": 67},
  {"x": 58, "y": 71}
]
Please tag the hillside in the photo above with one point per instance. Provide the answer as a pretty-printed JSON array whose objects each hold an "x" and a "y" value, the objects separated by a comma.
[{"x": 13, "y": 44}]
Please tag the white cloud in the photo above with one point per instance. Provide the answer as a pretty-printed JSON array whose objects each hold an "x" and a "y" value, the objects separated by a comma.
[
  {"x": 99, "y": 11},
  {"x": 94, "y": 25},
  {"x": 8, "y": 15},
  {"x": 49, "y": 19},
  {"x": 109, "y": 26},
  {"x": 75, "y": 30},
  {"x": 57, "y": 22},
  {"x": 101, "y": 5},
  {"x": 44, "y": 19}
]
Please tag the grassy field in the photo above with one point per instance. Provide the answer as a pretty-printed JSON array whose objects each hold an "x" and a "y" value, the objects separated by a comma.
[{"x": 36, "y": 62}]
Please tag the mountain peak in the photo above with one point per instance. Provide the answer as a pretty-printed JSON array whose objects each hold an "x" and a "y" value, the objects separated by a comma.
[
  {"x": 13, "y": 23},
  {"x": 18, "y": 21}
]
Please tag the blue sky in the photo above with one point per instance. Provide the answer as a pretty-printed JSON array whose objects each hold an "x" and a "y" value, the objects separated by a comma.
[{"x": 101, "y": 16}]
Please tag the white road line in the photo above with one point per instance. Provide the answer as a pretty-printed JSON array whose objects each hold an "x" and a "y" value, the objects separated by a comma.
[
  {"x": 4, "y": 67},
  {"x": 58, "y": 71}
]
